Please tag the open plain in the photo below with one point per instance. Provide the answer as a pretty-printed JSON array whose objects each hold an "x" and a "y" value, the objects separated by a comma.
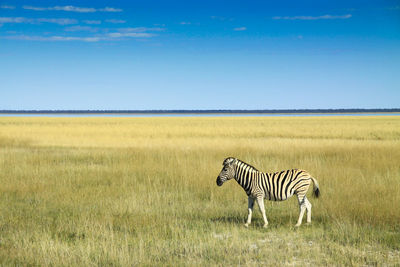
[{"x": 141, "y": 191}]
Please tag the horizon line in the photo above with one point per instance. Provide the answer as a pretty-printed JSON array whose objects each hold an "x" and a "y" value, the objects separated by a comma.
[{"x": 197, "y": 111}]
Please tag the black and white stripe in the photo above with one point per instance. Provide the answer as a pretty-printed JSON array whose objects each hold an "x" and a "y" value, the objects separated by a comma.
[{"x": 276, "y": 186}]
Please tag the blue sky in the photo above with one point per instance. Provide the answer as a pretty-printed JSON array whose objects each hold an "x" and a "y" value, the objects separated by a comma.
[{"x": 199, "y": 54}]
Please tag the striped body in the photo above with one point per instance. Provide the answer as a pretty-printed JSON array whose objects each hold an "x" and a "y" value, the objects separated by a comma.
[{"x": 276, "y": 186}]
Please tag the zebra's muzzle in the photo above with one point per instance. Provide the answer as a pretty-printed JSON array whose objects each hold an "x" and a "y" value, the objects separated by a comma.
[{"x": 219, "y": 181}]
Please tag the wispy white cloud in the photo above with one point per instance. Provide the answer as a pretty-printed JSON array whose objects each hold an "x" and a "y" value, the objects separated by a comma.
[
  {"x": 121, "y": 34},
  {"x": 73, "y": 9},
  {"x": 221, "y": 18},
  {"x": 110, "y": 9},
  {"x": 7, "y": 7},
  {"x": 13, "y": 20},
  {"x": 238, "y": 29},
  {"x": 60, "y": 21},
  {"x": 185, "y": 23},
  {"x": 52, "y": 38},
  {"x": 96, "y": 22},
  {"x": 130, "y": 34},
  {"x": 79, "y": 28},
  {"x": 347, "y": 16},
  {"x": 141, "y": 29},
  {"x": 35, "y": 8},
  {"x": 62, "y": 8},
  {"x": 136, "y": 32},
  {"x": 116, "y": 21}
]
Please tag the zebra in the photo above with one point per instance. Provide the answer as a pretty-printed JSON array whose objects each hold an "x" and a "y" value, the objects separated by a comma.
[{"x": 276, "y": 186}]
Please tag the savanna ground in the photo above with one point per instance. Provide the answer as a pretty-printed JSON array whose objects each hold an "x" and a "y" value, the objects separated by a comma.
[{"x": 142, "y": 191}]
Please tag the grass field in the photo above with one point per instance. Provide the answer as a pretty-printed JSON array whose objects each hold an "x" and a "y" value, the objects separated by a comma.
[{"x": 142, "y": 191}]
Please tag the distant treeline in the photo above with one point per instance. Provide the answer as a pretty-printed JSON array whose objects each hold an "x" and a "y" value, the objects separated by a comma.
[{"x": 208, "y": 111}]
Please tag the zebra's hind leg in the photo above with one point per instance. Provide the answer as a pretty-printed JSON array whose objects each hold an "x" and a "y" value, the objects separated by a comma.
[
  {"x": 302, "y": 206},
  {"x": 250, "y": 208},
  {"x": 308, "y": 207},
  {"x": 260, "y": 202}
]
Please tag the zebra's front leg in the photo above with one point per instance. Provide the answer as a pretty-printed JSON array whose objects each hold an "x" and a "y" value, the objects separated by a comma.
[
  {"x": 260, "y": 202},
  {"x": 250, "y": 208}
]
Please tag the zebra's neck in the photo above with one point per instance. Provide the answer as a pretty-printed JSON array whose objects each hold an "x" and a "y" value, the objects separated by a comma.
[{"x": 244, "y": 174}]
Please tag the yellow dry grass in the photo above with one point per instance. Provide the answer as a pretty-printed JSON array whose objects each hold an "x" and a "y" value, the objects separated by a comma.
[{"x": 123, "y": 191}]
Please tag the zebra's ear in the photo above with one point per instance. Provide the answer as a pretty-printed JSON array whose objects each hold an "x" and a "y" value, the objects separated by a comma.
[{"x": 229, "y": 160}]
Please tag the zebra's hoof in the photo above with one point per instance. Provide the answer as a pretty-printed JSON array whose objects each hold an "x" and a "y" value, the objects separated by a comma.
[
  {"x": 297, "y": 225},
  {"x": 308, "y": 223},
  {"x": 246, "y": 225},
  {"x": 265, "y": 225}
]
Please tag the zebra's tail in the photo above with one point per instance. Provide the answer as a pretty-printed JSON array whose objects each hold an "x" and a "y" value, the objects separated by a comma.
[{"x": 316, "y": 187}]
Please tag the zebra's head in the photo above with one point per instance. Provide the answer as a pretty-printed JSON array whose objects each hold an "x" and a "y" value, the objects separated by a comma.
[{"x": 227, "y": 172}]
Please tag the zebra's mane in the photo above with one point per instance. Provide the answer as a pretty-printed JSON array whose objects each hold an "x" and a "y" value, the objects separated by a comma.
[{"x": 247, "y": 165}]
